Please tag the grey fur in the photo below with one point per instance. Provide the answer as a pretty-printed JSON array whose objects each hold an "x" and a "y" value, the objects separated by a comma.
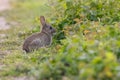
[{"x": 41, "y": 39}]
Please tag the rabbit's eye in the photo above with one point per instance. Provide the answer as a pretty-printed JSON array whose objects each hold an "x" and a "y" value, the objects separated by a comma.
[{"x": 50, "y": 27}]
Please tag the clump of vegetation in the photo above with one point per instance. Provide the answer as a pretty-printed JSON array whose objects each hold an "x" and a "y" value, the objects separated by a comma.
[
  {"x": 89, "y": 49},
  {"x": 69, "y": 12}
]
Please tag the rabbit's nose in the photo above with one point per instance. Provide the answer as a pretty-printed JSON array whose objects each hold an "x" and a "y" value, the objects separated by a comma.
[{"x": 54, "y": 30}]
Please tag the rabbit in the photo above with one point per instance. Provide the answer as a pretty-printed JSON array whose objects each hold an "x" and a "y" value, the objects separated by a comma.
[{"x": 41, "y": 39}]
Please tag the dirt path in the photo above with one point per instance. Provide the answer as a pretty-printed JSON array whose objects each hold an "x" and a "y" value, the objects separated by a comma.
[
  {"x": 4, "y": 5},
  {"x": 3, "y": 24}
]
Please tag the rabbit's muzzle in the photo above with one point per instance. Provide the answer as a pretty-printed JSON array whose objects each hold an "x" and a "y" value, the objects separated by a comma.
[{"x": 53, "y": 31}]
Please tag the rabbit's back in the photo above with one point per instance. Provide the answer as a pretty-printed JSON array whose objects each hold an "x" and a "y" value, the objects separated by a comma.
[{"x": 36, "y": 41}]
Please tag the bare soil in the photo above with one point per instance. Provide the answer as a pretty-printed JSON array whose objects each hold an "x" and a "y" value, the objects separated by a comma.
[{"x": 4, "y": 5}]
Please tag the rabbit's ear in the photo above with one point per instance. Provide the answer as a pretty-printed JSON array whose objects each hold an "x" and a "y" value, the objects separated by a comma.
[{"x": 42, "y": 20}]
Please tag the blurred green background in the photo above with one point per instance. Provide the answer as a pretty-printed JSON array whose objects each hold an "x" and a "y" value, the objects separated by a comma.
[{"x": 85, "y": 47}]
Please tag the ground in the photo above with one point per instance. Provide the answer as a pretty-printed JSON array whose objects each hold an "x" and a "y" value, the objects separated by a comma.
[
  {"x": 86, "y": 45},
  {"x": 17, "y": 19}
]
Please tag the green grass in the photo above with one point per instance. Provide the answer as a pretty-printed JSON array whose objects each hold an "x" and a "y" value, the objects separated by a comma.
[
  {"x": 90, "y": 49},
  {"x": 23, "y": 19}
]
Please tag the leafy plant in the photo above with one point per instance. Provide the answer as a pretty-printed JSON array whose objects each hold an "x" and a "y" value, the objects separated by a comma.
[{"x": 69, "y": 12}]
